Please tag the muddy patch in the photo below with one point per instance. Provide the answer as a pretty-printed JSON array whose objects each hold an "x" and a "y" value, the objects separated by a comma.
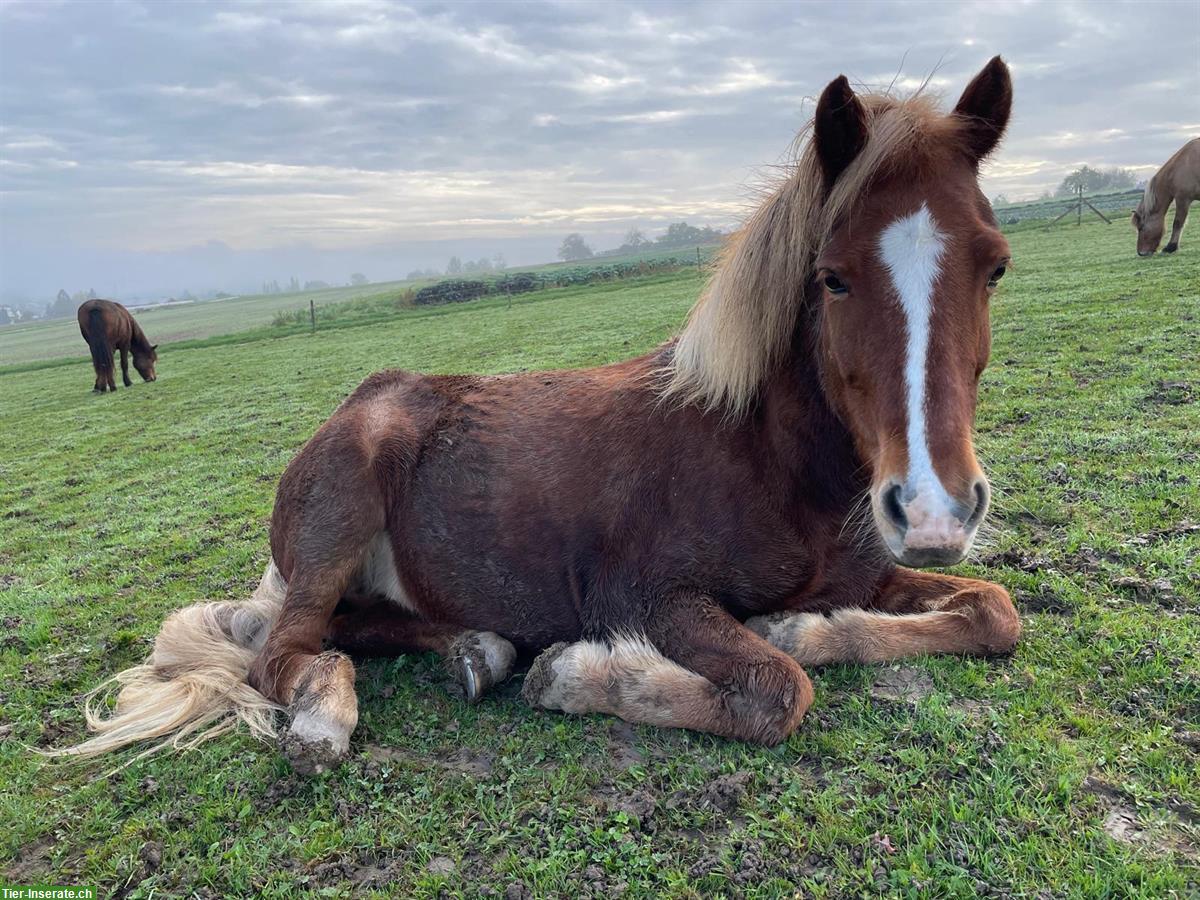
[
  {"x": 1158, "y": 591},
  {"x": 1020, "y": 560},
  {"x": 902, "y": 684},
  {"x": 1170, "y": 393},
  {"x": 638, "y": 805},
  {"x": 1154, "y": 826},
  {"x": 1044, "y": 600},
  {"x": 33, "y": 860},
  {"x": 463, "y": 761},
  {"x": 623, "y": 751},
  {"x": 367, "y": 870},
  {"x": 972, "y": 709},
  {"x": 725, "y": 792}
]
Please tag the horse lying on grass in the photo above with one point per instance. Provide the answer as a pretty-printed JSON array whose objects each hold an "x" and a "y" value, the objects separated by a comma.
[
  {"x": 679, "y": 534},
  {"x": 107, "y": 326}
]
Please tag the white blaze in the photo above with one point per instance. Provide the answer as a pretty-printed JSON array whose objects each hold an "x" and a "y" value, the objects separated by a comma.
[{"x": 911, "y": 250}]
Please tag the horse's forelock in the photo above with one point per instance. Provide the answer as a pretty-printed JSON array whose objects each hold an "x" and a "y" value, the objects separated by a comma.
[{"x": 744, "y": 320}]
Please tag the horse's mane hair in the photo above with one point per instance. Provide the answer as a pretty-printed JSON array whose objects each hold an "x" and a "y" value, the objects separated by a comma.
[
  {"x": 1149, "y": 202},
  {"x": 744, "y": 320}
]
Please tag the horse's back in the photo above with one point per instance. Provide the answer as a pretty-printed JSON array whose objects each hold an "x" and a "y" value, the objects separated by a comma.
[{"x": 115, "y": 317}]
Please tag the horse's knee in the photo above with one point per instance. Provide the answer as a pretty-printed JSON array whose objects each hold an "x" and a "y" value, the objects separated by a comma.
[
  {"x": 768, "y": 699},
  {"x": 995, "y": 624}
]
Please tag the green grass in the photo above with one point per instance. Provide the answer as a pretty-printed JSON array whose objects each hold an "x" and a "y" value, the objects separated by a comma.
[
  {"x": 996, "y": 779},
  {"x": 46, "y": 343}
]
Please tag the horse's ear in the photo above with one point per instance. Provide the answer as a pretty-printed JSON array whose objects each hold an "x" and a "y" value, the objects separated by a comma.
[
  {"x": 154, "y": 346},
  {"x": 840, "y": 129},
  {"x": 986, "y": 105}
]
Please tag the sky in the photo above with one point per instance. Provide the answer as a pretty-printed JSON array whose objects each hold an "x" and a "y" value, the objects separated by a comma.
[{"x": 149, "y": 148}]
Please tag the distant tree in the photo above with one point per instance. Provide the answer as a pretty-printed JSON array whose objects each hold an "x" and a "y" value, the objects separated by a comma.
[
  {"x": 1095, "y": 180},
  {"x": 358, "y": 279},
  {"x": 5, "y": 318},
  {"x": 63, "y": 297},
  {"x": 454, "y": 266},
  {"x": 574, "y": 247},
  {"x": 186, "y": 295},
  {"x": 635, "y": 240},
  {"x": 293, "y": 285},
  {"x": 316, "y": 285},
  {"x": 477, "y": 266},
  {"x": 64, "y": 305},
  {"x": 499, "y": 263},
  {"x": 999, "y": 200},
  {"x": 681, "y": 234}
]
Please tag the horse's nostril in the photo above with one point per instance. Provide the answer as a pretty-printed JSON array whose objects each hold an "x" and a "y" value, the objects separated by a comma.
[
  {"x": 982, "y": 494},
  {"x": 892, "y": 508}
]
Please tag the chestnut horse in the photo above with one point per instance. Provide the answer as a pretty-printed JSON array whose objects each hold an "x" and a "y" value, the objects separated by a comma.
[
  {"x": 675, "y": 533},
  {"x": 1178, "y": 180},
  {"x": 107, "y": 326}
]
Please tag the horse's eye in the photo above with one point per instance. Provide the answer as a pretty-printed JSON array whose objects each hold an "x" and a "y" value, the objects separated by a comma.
[
  {"x": 834, "y": 285},
  {"x": 996, "y": 276}
]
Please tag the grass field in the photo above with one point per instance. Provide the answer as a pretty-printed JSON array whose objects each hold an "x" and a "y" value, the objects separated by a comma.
[
  {"x": 45, "y": 343},
  {"x": 1069, "y": 770}
]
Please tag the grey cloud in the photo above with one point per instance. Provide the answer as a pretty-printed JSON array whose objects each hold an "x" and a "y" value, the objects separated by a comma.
[{"x": 329, "y": 133}]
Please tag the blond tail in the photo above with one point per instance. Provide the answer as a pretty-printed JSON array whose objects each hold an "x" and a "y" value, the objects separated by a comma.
[{"x": 193, "y": 687}]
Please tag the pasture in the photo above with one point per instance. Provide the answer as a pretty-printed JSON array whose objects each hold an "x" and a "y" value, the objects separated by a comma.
[{"x": 1071, "y": 769}]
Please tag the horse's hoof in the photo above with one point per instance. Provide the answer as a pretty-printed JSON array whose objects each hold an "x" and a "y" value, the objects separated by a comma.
[
  {"x": 539, "y": 680},
  {"x": 324, "y": 712},
  {"x": 479, "y": 660},
  {"x": 311, "y": 757},
  {"x": 1170, "y": 248}
]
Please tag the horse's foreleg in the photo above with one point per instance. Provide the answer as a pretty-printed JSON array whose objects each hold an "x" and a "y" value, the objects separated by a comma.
[
  {"x": 477, "y": 660},
  {"x": 1181, "y": 213},
  {"x": 694, "y": 667},
  {"x": 125, "y": 367},
  {"x": 917, "y": 612}
]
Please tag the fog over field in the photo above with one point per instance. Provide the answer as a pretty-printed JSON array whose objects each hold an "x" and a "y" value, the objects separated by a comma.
[{"x": 152, "y": 148}]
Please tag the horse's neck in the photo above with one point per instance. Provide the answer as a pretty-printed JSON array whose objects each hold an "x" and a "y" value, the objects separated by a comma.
[
  {"x": 806, "y": 436},
  {"x": 137, "y": 339}
]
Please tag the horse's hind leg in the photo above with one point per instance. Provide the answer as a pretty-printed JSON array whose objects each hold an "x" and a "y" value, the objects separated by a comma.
[
  {"x": 696, "y": 667},
  {"x": 327, "y": 511},
  {"x": 477, "y": 660},
  {"x": 917, "y": 612}
]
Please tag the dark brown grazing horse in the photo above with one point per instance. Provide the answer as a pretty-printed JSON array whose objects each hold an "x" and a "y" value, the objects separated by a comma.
[
  {"x": 108, "y": 326},
  {"x": 678, "y": 534}
]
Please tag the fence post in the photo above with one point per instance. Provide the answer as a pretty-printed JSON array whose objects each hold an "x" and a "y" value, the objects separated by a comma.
[
  {"x": 1079, "y": 208},
  {"x": 699, "y": 267},
  {"x": 312, "y": 313}
]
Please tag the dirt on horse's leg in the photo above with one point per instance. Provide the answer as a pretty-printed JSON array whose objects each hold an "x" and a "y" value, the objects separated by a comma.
[
  {"x": 125, "y": 368},
  {"x": 317, "y": 687},
  {"x": 1181, "y": 214},
  {"x": 694, "y": 667},
  {"x": 477, "y": 660},
  {"x": 917, "y": 612}
]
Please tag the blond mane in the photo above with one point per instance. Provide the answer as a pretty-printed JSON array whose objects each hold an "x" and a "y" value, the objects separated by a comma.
[{"x": 743, "y": 321}]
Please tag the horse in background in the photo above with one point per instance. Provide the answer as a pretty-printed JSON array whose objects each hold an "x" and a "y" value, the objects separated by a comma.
[
  {"x": 678, "y": 534},
  {"x": 1178, "y": 180},
  {"x": 108, "y": 326}
]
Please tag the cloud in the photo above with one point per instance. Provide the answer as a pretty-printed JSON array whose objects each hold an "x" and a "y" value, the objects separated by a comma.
[{"x": 400, "y": 129}]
